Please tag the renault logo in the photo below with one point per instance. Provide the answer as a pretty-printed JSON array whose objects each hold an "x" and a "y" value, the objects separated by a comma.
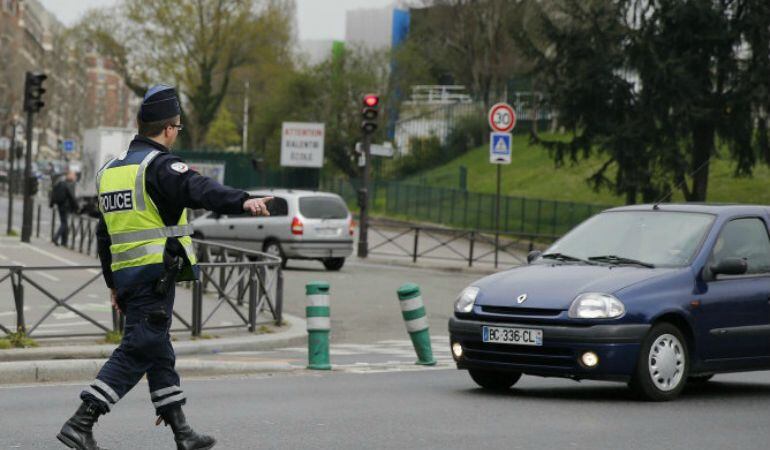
[{"x": 521, "y": 298}]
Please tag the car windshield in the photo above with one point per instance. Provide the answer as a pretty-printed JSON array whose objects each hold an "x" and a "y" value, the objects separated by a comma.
[
  {"x": 648, "y": 238},
  {"x": 319, "y": 207}
]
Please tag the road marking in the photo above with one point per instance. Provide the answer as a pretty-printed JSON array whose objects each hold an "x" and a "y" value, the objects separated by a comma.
[
  {"x": 56, "y": 257},
  {"x": 47, "y": 275},
  {"x": 71, "y": 324},
  {"x": 13, "y": 313}
]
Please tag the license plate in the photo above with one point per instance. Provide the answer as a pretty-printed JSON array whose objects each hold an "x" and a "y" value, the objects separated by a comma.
[
  {"x": 328, "y": 231},
  {"x": 517, "y": 336}
]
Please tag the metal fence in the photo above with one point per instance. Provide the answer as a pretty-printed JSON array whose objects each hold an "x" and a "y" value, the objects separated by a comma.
[
  {"x": 519, "y": 216},
  {"x": 245, "y": 282},
  {"x": 442, "y": 244}
]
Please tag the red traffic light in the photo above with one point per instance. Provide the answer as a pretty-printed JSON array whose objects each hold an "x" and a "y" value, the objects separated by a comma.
[{"x": 371, "y": 100}]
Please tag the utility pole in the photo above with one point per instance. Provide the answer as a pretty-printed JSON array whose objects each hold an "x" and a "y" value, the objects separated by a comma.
[
  {"x": 245, "y": 115},
  {"x": 33, "y": 93},
  {"x": 363, "y": 234},
  {"x": 26, "y": 224},
  {"x": 11, "y": 176}
]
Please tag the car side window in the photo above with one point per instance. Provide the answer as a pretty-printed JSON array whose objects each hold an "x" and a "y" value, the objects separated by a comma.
[
  {"x": 277, "y": 207},
  {"x": 745, "y": 239}
]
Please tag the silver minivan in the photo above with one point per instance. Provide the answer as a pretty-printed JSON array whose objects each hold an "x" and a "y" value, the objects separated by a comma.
[{"x": 301, "y": 225}]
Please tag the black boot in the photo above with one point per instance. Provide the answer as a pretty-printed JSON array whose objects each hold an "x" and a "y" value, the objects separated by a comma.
[
  {"x": 185, "y": 437},
  {"x": 76, "y": 432}
]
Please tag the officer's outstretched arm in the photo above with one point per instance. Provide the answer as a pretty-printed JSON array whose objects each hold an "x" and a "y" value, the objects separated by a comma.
[{"x": 182, "y": 186}]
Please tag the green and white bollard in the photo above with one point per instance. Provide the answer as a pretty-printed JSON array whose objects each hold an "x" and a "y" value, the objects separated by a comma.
[
  {"x": 413, "y": 311},
  {"x": 318, "y": 325}
]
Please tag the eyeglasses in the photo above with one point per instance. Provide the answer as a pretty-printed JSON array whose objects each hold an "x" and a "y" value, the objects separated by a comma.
[{"x": 178, "y": 127}]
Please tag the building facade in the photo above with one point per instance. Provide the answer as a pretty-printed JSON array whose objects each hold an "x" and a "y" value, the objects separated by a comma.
[
  {"x": 109, "y": 102},
  {"x": 83, "y": 89}
]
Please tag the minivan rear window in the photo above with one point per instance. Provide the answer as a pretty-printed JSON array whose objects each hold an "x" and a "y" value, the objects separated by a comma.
[{"x": 323, "y": 208}]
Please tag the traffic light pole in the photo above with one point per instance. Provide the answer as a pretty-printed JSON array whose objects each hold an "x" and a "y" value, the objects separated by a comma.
[
  {"x": 363, "y": 245},
  {"x": 26, "y": 225},
  {"x": 11, "y": 175}
]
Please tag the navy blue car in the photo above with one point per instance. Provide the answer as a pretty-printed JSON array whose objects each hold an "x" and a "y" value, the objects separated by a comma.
[{"x": 653, "y": 295}]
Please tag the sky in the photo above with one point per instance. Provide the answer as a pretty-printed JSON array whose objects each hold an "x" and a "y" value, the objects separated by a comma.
[{"x": 316, "y": 19}]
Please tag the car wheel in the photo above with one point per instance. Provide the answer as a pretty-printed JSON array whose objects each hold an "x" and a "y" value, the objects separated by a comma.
[
  {"x": 333, "y": 263},
  {"x": 494, "y": 381},
  {"x": 274, "y": 248},
  {"x": 664, "y": 361},
  {"x": 700, "y": 379}
]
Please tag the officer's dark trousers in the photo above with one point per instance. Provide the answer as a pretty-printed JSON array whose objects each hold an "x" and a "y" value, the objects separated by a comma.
[{"x": 145, "y": 349}]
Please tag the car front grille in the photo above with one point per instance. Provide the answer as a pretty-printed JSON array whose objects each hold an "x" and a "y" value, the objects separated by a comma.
[
  {"x": 514, "y": 311},
  {"x": 519, "y": 354}
]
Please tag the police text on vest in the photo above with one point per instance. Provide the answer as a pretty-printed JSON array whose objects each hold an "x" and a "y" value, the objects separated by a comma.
[{"x": 116, "y": 201}]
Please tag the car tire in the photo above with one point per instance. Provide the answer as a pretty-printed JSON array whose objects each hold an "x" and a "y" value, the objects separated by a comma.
[
  {"x": 700, "y": 379},
  {"x": 494, "y": 380},
  {"x": 273, "y": 247},
  {"x": 333, "y": 264},
  {"x": 663, "y": 364}
]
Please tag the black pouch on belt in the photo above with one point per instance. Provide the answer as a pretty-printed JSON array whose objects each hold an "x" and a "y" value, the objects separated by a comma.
[
  {"x": 169, "y": 275},
  {"x": 158, "y": 317}
]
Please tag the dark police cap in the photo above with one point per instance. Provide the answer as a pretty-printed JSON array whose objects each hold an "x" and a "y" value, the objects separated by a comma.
[{"x": 160, "y": 103}]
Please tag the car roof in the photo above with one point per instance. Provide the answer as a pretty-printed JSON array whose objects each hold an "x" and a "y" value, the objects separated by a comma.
[
  {"x": 708, "y": 208},
  {"x": 289, "y": 192}
]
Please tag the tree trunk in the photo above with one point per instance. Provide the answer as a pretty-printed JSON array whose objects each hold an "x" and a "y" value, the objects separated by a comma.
[
  {"x": 630, "y": 196},
  {"x": 764, "y": 145},
  {"x": 703, "y": 142}
]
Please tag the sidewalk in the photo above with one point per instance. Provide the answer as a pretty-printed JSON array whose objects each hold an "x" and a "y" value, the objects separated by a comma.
[
  {"x": 82, "y": 362},
  {"x": 78, "y": 358}
]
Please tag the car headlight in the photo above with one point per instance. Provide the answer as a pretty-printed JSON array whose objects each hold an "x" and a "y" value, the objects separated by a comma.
[
  {"x": 464, "y": 302},
  {"x": 594, "y": 305}
]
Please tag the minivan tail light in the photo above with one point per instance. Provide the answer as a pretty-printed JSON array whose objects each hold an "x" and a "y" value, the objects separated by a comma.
[
  {"x": 297, "y": 227},
  {"x": 352, "y": 227}
]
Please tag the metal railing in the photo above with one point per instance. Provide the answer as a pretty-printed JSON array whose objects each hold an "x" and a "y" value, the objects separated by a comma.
[
  {"x": 81, "y": 236},
  {"x": 455, "y": 245},
  {"x": 246, "y": 282},
  {"x": 527, "y": 218}
]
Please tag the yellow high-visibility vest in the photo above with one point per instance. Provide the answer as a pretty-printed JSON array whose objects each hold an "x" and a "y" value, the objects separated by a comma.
[{"x": 137, "y": 232}]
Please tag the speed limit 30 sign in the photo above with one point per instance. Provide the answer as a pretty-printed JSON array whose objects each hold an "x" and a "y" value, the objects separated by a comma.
[{"x": 502, "y": 117}]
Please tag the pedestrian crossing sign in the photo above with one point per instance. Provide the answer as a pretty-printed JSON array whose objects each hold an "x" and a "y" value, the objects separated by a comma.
[{"x": 500, "y": 148}]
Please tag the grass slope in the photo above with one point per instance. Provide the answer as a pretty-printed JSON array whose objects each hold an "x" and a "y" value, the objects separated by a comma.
[{"x": 532, "y": 173}]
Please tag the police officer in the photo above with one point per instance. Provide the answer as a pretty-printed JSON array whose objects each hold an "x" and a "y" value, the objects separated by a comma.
[{"x": 144, "y": 246}]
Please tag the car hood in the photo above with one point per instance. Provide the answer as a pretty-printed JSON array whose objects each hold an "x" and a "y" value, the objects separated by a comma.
[{"x": 554, "y": 286}]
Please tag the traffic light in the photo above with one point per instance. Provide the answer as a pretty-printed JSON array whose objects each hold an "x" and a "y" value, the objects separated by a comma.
[
  {"x": 33, "y": 92},
  {"x": 362, "y": 194},
  {"x": 369, "y": 113},
  {"x": 33, "y": 185}
]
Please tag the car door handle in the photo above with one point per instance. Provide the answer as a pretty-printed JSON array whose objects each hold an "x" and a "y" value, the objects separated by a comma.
[
  {"x": 231, "y": 227},
  {"x": 259, "y": 227}
]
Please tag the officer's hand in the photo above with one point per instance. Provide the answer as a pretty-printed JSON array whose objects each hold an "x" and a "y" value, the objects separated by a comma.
[
  {"x": 114, "y": 299},
  {"x": 257, "y": 206}
]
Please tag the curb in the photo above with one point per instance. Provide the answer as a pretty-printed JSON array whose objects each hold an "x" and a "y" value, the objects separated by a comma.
[
  {"x": 86, "y": 369},
  {"x": 296, "y": 334},
  {"x": 407, "y": 263}
]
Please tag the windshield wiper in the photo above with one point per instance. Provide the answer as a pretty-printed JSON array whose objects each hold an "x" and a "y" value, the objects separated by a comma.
[
  {"x": 566, "y": 258},
  {"x": 615, "y": 259}
]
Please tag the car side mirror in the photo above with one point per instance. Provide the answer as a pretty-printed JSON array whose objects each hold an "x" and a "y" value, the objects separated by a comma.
[
  {"x": 533, "y": 255},
  {"x": 729, "y": 266},
  {"x": 216, "y": 216}
]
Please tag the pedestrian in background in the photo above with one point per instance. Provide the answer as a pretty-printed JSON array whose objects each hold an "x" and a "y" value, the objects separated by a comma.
[
  {"x": 63, "y": 196},
  {"x": 144, "y": 245}
]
